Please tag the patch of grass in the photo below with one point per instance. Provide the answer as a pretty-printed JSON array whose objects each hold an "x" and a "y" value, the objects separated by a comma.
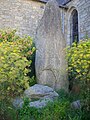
[
  {"x": 7, "y": 112},
  {"x": 60, "y": 109}
]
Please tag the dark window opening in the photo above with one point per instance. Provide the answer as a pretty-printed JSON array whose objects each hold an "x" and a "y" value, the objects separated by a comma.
[{"x": 75, "y": 36}]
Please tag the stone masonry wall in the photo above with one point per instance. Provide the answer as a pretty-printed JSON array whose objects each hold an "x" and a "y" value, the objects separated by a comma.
[
  {"x": 23, "y": 15},
  {"x": 83, "y": 8}
]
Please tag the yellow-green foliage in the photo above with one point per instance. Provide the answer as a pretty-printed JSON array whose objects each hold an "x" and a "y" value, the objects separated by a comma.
[
  {"x": 79, "y": 64},
  {"x": 14, "y": 63},
  {"x": 79, "y": 60}
]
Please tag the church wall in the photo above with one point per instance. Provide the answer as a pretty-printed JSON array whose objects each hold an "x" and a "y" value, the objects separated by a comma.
[
  {"x": 23, "y": 15},
  {"x": 83, "y": 8},
  {"x": 64, "y": 22}
]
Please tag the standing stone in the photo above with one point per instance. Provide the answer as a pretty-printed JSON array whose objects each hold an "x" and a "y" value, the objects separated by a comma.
[{"x": 50, "y": 54}]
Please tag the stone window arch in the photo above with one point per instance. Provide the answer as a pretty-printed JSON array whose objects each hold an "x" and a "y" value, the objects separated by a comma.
[{"x": 74, "y": 26}]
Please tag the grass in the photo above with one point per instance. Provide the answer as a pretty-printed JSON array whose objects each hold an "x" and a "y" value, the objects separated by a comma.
[{"x": 60, "y": 109}]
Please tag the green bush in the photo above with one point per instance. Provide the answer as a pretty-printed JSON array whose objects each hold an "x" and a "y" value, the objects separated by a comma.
[
  {"x": 14, "y": 63},
  {"x": 79, "y": 63},
  {"x": 79, "y": 71}
]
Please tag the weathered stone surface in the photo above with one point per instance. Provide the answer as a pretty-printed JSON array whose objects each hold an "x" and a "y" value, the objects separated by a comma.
[
  {"x": 76, "y": 104},
  {"x": 44, "y": 94},
  {"x": 37, "y": 104},
  {"x": 40, "y": 103},
  {"x": 40, "y": 91},
  {"x": 50, "y": 43},
  {"x": 22, "y": 15},
  {"x": 17, "y": 102}
]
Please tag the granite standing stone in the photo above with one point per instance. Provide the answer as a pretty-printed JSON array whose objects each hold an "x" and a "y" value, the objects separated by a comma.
[{"x": 50, "y": 54}]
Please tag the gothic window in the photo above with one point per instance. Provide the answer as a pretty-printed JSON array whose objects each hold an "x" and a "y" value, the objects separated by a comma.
[{"x": 75, "y": 36}]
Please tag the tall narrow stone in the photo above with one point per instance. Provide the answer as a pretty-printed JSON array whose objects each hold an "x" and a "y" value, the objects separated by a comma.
[{"x": 50, "y": 54}]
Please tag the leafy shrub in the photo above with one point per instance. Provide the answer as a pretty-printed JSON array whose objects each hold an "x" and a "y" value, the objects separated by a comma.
[
  {"x": 79, "y": 71},
  {"x": 79, "y": 63},
  {"x": 14, "y": 63}
]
